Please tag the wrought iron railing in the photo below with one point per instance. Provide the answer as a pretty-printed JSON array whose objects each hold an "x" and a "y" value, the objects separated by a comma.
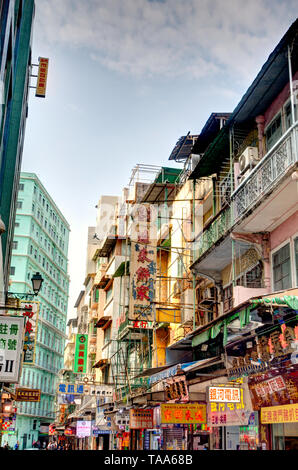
[
  {"x": 217, "y": 229},
  {"x": 267, "y": 174}
]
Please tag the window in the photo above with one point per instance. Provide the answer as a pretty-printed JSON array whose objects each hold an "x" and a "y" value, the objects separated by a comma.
[
  {"x": 17, "y": 224},
  {"x": 14, "y": 245},
  {"x": 12, "y": 270},
  {"x": 282, "y": 268},
  {"x": 21, "y": 187},
  {"x": 19, "y": 204},
  {"x": 273, "y": 132}
]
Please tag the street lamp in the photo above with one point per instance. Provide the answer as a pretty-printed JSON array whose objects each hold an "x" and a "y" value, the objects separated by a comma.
[{"x": 37, "y": 281}]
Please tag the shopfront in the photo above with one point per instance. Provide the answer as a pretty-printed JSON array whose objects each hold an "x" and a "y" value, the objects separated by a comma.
[
  {"x": 140, "y": 421},
  {"x": 268, "y": 362}
]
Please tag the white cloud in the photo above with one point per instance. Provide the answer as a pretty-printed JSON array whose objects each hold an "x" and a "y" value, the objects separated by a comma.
[{"x": 171, "y": 37}]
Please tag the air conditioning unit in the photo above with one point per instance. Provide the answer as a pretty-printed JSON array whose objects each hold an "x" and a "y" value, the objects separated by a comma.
[
  {"x": 248, "y": 159},
  {"x": 208, "y": 294}
]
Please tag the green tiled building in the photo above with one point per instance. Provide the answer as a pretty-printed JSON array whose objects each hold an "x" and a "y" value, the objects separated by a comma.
[{"x": 40, "y": 244}]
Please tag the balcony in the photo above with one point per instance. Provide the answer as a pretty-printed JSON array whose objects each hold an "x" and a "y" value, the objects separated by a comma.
[
  {"x": 213, "y": 233},
  {"x": 269, "y": 181}
]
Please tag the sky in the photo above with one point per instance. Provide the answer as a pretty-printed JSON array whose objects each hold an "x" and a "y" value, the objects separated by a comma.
[{"x": 126, "y": 79}]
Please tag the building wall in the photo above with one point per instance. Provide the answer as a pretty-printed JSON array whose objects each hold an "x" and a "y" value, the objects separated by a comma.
[
  {"x": 41, "y": 244},
  {"x": 16, "y": 25}
]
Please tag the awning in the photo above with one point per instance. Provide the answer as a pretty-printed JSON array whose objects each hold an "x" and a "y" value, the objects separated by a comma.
[
  {"x": 120, "y": 271},
  {"x": 289, "y": 300},
  {"x": 89, "y": 405},
  {"x": 103, "y": 322},
  {"x": 100, "y": 364}
]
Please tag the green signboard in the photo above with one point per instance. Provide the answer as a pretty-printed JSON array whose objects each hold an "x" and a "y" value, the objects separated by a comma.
[{"x": 81, "y": 350}]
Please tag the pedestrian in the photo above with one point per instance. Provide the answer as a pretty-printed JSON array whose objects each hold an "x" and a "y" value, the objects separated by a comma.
[
  {"x": 17, "y": 445},
  {"x": 6, "y": 446}
]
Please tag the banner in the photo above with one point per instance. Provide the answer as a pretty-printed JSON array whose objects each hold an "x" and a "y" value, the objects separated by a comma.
[
  {"x": 11, "y": 348},
  {"x": 81, "y": 350},
  {"x": 83, "y": 429}
]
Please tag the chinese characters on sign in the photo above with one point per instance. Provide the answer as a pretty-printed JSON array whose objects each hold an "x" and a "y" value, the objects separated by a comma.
[
  {"x": 83, "y": 428},
  {"x": 142, "y": 269},
  {"x": 221, "y": 413},
  {"x": 280, "y": 414},
  {"x": 27, "y": 394},
  {"x": 181, "y": 413},
  {"x": 31, "y": 311},
  {"x": 274, "y": 347},
  {"x": 224, "y": 394},
  {"x": 140, "y": 419},
  {"x": 80, "y": 359},
  {"x": 42, "y": 77},
  {"x": 11, "y": 347},
  {"x": 176, "y": 389},
  {"x": 273, "y": 388},
  {"x": 72, "y": 389}
]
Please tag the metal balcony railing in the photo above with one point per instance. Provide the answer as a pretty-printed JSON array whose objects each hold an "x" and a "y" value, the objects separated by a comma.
[
  {"x": 267, "y": 174},
  {"x": 217, "y": 229}
]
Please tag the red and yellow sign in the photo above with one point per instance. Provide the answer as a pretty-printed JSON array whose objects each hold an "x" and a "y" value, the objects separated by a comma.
[
  {"x": 183, "y": 413},
  {"x": 280, "y": 414},
  {"x": 140, "y": 419},
  {"x": 42, "y": 77},
  {"x": 27, "y": 394}
]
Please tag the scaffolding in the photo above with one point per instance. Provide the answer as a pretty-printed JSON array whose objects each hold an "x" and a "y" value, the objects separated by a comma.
[{"x": 137, "y": 348}]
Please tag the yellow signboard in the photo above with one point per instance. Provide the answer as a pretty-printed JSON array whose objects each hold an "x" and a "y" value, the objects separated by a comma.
[
  {"x": 42, "y": 77},
  {"x": 183, "y": 413},
  {"x": 280, "y": 414}
]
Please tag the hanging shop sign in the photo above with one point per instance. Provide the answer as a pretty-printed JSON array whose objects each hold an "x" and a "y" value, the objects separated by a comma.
[
  {"x": 222, "y": 413},
  {"x": 8, "y": 425},
  {"x": 224, "y": 394},
  {"x": 42, "y": 77},
  {"x": 11, "y": 348},
  {"x": 27, "y": 394},
  {"x": 100, "y": 390},
  {"x": 176, "y": 389},
  {"x": 31, "y": 313},
  {"x": 83, "y": 429},
  {"x": 276, "y": 387},
  {"x": 62, "y": 411},
  {"x": 142, "y": 267},
  {"x": 122, "y": 420},
  {"x": 71, "y": 389},
  {"x": 145, "y": 325},
  {"x": 52, "y": 430},
  {"x": 81, "y": 351},
  {"x": 69, "y": 431},
  {"x": 140, "y": 419},
  {"x": 280, "y": 414},
  {"x": 182, "y": 413},
  {"x": 264, "y": 351}
]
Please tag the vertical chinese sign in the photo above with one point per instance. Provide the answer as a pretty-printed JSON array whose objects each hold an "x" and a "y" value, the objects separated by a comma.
[
  {"x": 81, "y": 349},
  {"x": 42, "y": 77},
  {"x": 31, "y": 312},
  {"x": 142, "y": 267},
  {"x": 11, "y": 348}
]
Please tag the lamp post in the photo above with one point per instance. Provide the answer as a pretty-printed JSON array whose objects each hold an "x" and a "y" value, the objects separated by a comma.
[{"x": 37, "y": 281}]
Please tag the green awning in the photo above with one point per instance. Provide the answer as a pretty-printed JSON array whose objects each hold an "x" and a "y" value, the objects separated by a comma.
[
  {"x": 121, "y": 269},
  {"x": 214, "y": 330},
  {"x": 289, "y": 300}
]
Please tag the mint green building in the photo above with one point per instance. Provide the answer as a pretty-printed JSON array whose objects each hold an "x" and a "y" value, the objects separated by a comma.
[{"x": 40, "y": 244}]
